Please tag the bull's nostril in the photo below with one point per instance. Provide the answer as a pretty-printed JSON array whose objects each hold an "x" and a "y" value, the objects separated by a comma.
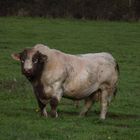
[{"x": 28, "y": 71}]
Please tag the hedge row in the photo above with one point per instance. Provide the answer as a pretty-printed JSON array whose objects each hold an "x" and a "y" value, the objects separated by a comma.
[{"x": 85, "y": 9}]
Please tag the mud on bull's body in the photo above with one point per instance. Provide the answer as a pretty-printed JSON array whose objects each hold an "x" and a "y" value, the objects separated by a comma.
[{"x": 55, "y": 74}]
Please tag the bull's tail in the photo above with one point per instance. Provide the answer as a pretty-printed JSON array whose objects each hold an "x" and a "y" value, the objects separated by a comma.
[
  {"x": 117, "y": 68},
  {"x": 118, "y": 71},
  {"x": 112, "y": 96},
  {"x": 115, "y": 92}
]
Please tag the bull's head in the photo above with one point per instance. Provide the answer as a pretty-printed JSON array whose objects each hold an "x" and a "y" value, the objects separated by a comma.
[{"x": 32, "y": 63}]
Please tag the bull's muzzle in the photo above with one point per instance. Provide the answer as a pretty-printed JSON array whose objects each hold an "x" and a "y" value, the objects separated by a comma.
[{"x": 28, "y": 72}]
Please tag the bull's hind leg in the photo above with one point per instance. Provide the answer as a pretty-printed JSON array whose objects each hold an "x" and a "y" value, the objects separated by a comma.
[
  {"x": 104, "y": 103},
  {"x": 90, "y": 101},
  {"x": 106, "y": 96},
  {"x": 87, "y": 106}
]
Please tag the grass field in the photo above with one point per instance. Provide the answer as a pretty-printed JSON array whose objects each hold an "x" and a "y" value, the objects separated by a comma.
[{"x": 18, "y": 118}]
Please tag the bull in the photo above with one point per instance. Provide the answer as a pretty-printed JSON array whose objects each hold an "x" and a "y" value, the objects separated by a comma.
[{"x": 54, "y": 74}]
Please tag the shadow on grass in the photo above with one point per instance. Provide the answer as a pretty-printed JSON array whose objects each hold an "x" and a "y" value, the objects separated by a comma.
[
  {"x": 94, "y": 114},
  {"x": 14, "y": 113},
  {"x": 120, "y": 115},
  {"x": 70, "y": 113},
  {"x": 12, "y": 84},
  {"x": 109, "y": 115}
]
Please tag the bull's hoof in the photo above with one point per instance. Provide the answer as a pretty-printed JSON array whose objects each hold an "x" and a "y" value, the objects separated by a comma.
[
  {"x": 76, "y": 104},
  {"x": 44, "y": 114},
  {"x": 82, "y": 114},
  {"x": 102, "y": 118},
  {"x": 54, "y": 114}
]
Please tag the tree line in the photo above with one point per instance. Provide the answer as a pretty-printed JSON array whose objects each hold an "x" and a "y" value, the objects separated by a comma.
[{"x": 81, "y": 9}]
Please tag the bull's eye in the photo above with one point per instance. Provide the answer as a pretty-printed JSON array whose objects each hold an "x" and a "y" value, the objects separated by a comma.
[
  {"x": 35, "y": 61},
  {"x": 22, "y": 61}
]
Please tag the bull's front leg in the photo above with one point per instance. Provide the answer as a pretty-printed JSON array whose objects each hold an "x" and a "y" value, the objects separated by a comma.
[
  {"x": 42, "y": 107},
  {"x": 54, "y": 102},
  {"x": 42, "y": 101}
]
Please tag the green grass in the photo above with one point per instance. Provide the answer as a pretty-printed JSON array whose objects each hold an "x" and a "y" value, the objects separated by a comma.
[{"x": 18, "y": 118}]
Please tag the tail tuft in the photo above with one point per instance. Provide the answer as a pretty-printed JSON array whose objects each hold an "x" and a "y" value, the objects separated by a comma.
[
  {"x": 115, "y": 92},
  {"x": 117, "y": 68}
]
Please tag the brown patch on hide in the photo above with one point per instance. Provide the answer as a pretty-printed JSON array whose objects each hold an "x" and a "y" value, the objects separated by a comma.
[
  {"x": 37, "y": 68},
  {"x": 38, "y": 61},
  {"x": 39, "y": 90},
  {"x": 40, "y": 95}
]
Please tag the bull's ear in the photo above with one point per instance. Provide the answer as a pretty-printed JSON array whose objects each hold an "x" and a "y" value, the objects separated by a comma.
[{"x": 16, "y": 56}]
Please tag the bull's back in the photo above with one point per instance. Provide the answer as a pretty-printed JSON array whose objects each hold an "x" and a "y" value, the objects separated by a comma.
[{"x": 99, "y": 57}]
